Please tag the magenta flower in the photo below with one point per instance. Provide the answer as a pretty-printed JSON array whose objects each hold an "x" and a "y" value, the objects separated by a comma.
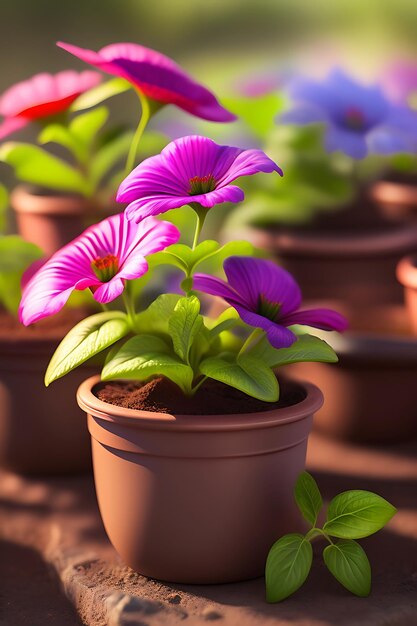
[
  {"x": 400, "y": 80},
  {"x": 102, "y": 258},
  {"x": 266, "y": 296},
  {"x": 158, "y": 77},
  {"x": 41, "y": 96},
  {"x": 190, "y": 170}
]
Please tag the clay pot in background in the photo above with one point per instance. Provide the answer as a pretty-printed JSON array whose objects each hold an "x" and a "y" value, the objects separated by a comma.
[
  {"x": 407, "y": 275},
  {"x": 396, "y": 199},
  {"x": 194, "y": 498},
  {"x": 369, "y": 396},
  {"x": 353, "y": 266},
  {"x": 51, "y": 221},
  {"x": 42, "y": 430}
]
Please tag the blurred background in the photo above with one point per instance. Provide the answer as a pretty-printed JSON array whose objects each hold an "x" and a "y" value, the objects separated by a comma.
[{"x": 220, "y": 41}]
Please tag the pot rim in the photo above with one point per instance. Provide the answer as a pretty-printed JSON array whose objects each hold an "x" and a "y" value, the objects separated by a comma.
[
  {"x": 407, "y": 271},
  {"x": 399, "y": 238},
  {"x": 228, "y": 422},
  {"x": 71, "y": 204},
  {"x": 391, "y": 192}
]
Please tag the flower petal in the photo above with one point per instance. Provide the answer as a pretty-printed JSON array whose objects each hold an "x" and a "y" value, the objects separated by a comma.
[
  {"x": 247, "y": 163},
  {"x": 251, "y": 278},
  {"x": 11, "y": 125},
  {"x": 216, "y": 287},
  {"x": 325, "y": 319},
  {"x": 350, "y": 142},
  {"x": 157, "y": 76},
  {"x": 109, "y": 291},
  {"x": 278, "y": 336}
]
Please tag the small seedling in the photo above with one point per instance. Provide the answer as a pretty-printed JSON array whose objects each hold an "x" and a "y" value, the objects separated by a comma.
[{"x": 351, "y": 515}]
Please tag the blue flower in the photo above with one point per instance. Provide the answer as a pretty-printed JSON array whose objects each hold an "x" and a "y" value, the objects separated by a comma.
[{"x": 359, "y": 118}]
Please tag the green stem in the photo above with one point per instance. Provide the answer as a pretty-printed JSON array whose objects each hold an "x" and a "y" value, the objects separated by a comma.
[
  {"x": 314, "y": 532},
  {"x": 198, "y": 385},
  {"x": 130, "y": 308},
  {"x": 143, "y": 122},
  {"x": 255, "y": 336},
  {"x": 201, "y": 216}
]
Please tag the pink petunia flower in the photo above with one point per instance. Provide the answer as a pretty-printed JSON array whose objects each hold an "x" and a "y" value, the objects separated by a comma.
[
  {"x": 190, "y": 170},
  {"x": 102, "y": 258},
  {"x": 158, "y": 77},
  {"x": 41, "y": 96}
]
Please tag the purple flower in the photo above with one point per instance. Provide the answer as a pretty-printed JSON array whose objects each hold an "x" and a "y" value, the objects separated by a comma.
[
  {"x": 190, "y": 170},
  {"x": 359, "y": 118},
  {"x": 266, "y": 296},
  {"x": 158, "y": 77},
  {"x": 102, "y": 258}
]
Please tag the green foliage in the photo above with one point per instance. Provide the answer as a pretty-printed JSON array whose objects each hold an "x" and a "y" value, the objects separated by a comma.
[
  {"x": 348, "y": 563},
  {"x": 287, "y": 567},
  {"x": 16, "y": 255},
  {"x": 306, "y": 348},
  {"x": 258, "y": 113},
  {"x": 34, "y": 165},
  {"x": 99, "y": 94},
  {"x": 351, "y": 514},
  {"x": 184, "y": 324},
  {"x": 4, "y": 201},
  {"x": 89, "y": 337},
  {"x": 357, "y": 514}
]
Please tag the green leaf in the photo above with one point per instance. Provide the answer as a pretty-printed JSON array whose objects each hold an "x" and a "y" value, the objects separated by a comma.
[
  {"x": 287, "y": 566},
  {"x": 57, "y": 133},
  {"x": 184, "y": 324},
  {"x": 226, "y": 320},
  {"x": 100, "y": 93},
  {"x": 144, "y": 356},
  {"x": 308, "y": 497},
  {"x": 87, "y": 338},
  {"x": 306, "y": 348},
  {"x": 356, "y": 514},
  {"x": 16, "y": 255},
  {"x": 85, "y": 126},
  {"x": 258, "y": 113},
  {"x": 106, "y": 157},
  {"x": 349, "y": 564},
  {"x": 213, "y": 260},
  {"x": 34, "y": 165},
  {"x": 247, "y": 374},
  {"x": 156, "y": 317}
]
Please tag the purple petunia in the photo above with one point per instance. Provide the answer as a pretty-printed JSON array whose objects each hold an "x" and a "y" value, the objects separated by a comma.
[
  {"x": 157, "y": 76},
  {"x": 102, "y": 258},
  {"x": 190, "y": 170},
  {"x": 266, "y": 296},
  {"x": 359, "y": 118}
]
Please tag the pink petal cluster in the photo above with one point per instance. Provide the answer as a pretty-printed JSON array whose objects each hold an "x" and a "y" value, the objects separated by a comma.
[
  {"x": 157, "y": 76},
  {"x": 192, "y": 169},
  {"x": 102, "y": 258},
  {"x": 41, "y": 96}
]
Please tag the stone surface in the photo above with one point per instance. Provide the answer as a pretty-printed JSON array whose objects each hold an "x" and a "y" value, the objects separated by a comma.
[{"x": 55, "y": 524}]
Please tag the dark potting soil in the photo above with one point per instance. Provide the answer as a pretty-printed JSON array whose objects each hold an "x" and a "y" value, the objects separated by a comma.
[
  {"x": 213, "y": 398},
  {"x": 54, "y": 327}
]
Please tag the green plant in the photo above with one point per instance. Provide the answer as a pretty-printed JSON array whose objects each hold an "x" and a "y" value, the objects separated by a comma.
[{"x": 351, "y": 515}]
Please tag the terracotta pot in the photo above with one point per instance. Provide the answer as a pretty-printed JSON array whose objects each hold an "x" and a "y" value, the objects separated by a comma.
[
  {"x": 407, "y": 275},
  {"x": 352, "y": 266},
  {"x": 194, "y": 498},
  {"x": 370, "y": 394},
  {"x": 397, "y": 200},
  {"x": 51, "y": 221},
  {"x": 42, "y": 431}
]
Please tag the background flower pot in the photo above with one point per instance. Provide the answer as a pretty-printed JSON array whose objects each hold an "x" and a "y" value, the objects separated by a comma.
[
  {"x": 51, "y": 220},
  {"x": 370, "y": 394},
  {"x": 354, "y": 266},
  {"x": 407, "y": 275},
  {"x": 396, "y": 198},
  {"x": 197, "y": 499},
  {"x": 41, "y": 430}
]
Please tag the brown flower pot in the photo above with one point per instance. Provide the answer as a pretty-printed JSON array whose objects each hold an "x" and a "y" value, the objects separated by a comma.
[
  {"x": 51, "y": 221},
  {"x": 194, "y": 498},
  {"x": 370, "y": 394},
  {"x": 42, "y": 430},
  {"x": 352, "y": 266},
  {"x": 407, "y": 275},
  {"x": 397, "y": 200}
]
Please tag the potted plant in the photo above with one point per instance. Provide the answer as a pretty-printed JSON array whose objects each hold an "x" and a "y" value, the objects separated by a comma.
[
  {"x": 32, "y": 440},
  {"x": 188, "y": 424},
  {"x": 352, "y": 121}
]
